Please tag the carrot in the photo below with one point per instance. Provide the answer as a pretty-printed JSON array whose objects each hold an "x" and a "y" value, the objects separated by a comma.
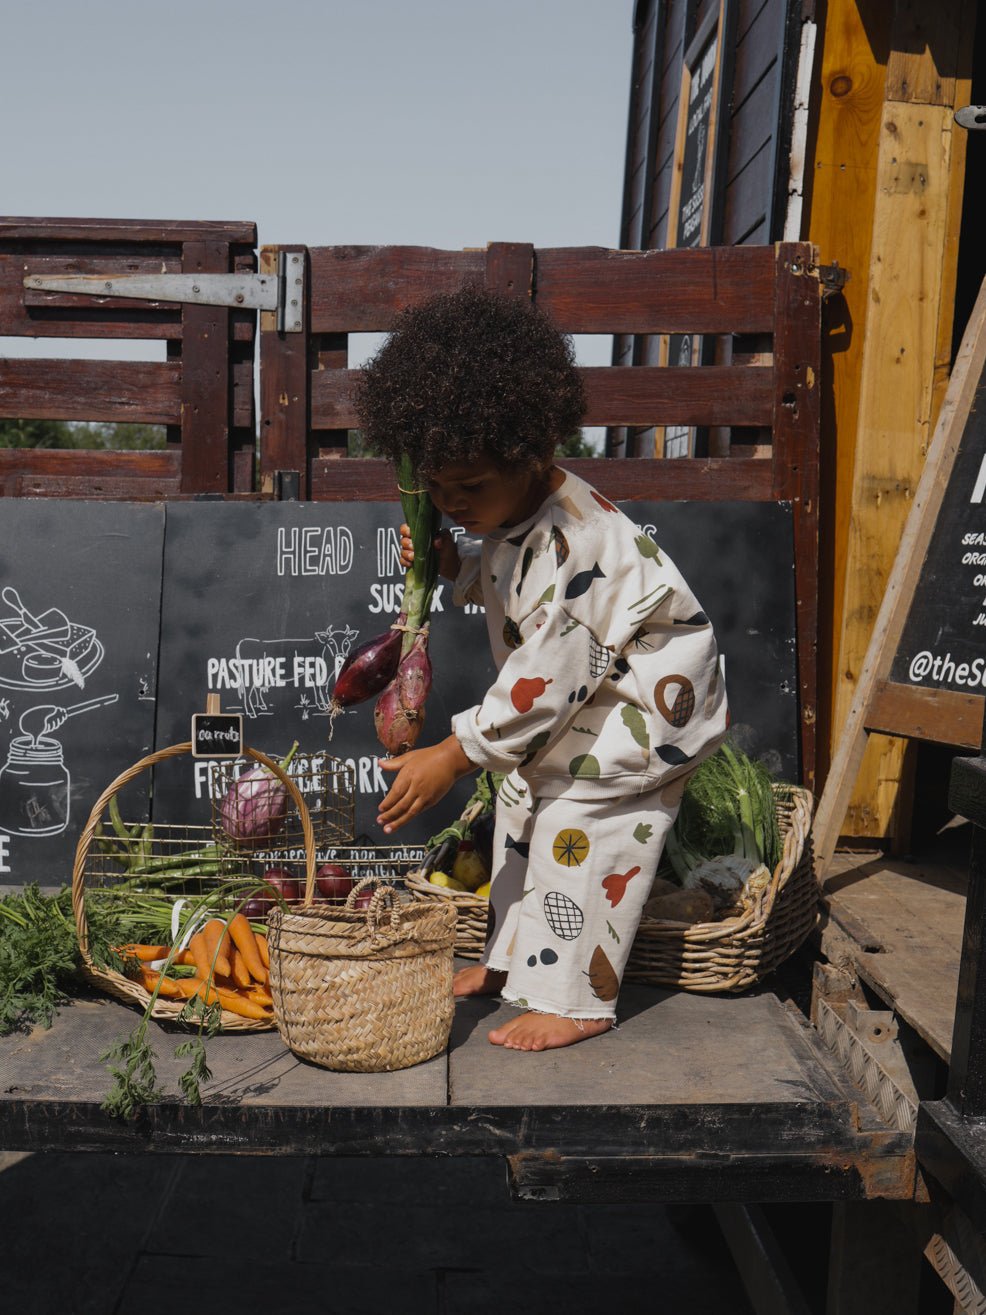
[
  {"x": 245, "y": 941},
  {"x": 145, "y": 953},
  {"x": 231, "y": 1000},
  {"x": 263, "y": 949},
  {"x": 216, "y": 943},
  {"x": 239, "y": 1004},
  {"x": 184, "y": 959},
  {"x": 200, "y": 956},
  {"x": 166, "y": 986},
  {"x": 240, "y": 974},
  {"x": 259, "y": 995}
]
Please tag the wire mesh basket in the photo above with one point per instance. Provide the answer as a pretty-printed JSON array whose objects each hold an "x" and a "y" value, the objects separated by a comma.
[
  {"x": 160, "y": 871},
  {"x": 251, "y": 806}
]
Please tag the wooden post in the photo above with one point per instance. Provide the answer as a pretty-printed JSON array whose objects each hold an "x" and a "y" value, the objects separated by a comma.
[
  {"x": 285, "y": 388},
  {"x": 797, "y": 365},
  {"x": 205, "y": 380}
]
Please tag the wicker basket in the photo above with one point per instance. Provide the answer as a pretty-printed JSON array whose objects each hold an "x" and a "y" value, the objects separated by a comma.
[
  {"x": 363, "y": 991},
  {"x": 472, "y": 911},
  {"x": 90, "y": 870},
  {"x": 735, "y": 954},
  {"x": 704, "y": 956}
]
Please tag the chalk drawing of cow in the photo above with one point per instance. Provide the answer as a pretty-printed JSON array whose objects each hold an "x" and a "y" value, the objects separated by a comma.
[{"x": 332, "y": 645}]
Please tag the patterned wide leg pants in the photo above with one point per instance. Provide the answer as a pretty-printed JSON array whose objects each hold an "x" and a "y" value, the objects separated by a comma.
[{"x": 571, "y": 879}]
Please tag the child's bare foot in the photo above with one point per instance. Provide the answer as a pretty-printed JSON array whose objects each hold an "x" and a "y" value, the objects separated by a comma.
[
  {"x": 547, "y": 1031},
  {"x": 478, "y": 980}
]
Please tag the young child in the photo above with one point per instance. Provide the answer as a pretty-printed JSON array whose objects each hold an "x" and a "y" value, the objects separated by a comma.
[{"x": 609, "y": 690}]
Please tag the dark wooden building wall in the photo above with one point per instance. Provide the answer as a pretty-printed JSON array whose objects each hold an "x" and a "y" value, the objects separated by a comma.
[{"x": 749, "y": 194}]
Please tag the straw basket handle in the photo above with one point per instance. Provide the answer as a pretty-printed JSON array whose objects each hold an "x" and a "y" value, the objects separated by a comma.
[
  {"x": 172, "y": 751},
  {"x": 383, "y": 899}
]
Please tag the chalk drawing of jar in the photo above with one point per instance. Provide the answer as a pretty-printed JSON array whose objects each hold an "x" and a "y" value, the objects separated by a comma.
[
  {"x": 34, "y": 788},
  {"x": 34, "y": 782}
]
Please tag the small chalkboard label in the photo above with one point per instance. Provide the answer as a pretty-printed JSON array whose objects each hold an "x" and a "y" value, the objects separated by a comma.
[{"x": 217, "y": 735}]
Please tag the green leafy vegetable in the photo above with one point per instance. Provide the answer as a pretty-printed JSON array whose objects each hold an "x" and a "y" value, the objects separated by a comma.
[{"x": 727, "y": 809}]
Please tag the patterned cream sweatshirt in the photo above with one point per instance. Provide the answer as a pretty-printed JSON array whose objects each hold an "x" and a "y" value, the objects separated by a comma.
[{"x": 609, "y": 680}]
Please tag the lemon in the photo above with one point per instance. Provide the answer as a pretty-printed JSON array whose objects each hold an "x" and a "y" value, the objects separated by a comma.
[
  {"x": 483, "y": 890},
  {"x": 470, "y": 869},
  {"x": 443, "y": 879}
]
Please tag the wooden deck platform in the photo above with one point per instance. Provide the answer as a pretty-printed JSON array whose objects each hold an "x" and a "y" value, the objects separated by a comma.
[
  {"x": 900, "y": 922},
  {"x": 692, "y": 1098}
]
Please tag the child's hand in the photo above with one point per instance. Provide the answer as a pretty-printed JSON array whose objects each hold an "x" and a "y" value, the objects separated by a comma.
[
  {"x": 448, "y": 555},
  {"x": 423, "y": 777}
]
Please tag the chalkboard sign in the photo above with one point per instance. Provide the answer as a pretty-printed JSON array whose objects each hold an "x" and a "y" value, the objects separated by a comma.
[
  {"x": 80, "y": 590},
  {"x": 924, "y": 674},
  {"x": 217, "y": 735},
  {"x": 943, "y": 644},
  {"x": 260, "y": 603}
]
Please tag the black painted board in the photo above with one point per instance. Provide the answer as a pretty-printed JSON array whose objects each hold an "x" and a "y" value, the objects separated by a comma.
[
  {"x": 80, "y": 591},
  {"x": 943, "y": 643},
  {"x": 290, "y": 588}
]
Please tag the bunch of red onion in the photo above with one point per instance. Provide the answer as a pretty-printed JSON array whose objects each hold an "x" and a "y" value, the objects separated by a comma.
[{"x": 396, "y": 662}]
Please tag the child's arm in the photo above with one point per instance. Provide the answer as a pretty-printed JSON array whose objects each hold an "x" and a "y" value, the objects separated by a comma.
[{"x": 423, "y": 777}]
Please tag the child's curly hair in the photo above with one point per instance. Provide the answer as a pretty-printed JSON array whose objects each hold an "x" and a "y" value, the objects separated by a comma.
[{"x": 470, "y": 374}]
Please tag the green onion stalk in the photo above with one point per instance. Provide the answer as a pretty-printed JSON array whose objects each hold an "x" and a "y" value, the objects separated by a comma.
[{"x": 400, "y": 710}]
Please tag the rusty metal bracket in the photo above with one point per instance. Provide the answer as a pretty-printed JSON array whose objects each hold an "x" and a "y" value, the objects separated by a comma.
[{"x": 833, "y": 278}]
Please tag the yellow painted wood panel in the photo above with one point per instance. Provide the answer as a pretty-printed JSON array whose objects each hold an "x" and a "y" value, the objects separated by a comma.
[
  {"x": 843, "y": 172},
  {"x": 901, "y": 336}
]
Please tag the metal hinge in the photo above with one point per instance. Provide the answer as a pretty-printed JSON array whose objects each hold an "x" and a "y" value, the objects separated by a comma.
[
  {"x": 971, "y": 116},
  {"x": 283, "y": 293}
]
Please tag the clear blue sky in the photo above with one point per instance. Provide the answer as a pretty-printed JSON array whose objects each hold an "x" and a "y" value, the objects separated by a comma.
[
  {"x": 442, "y": 122},
  {"x": 448, "y": 123}
]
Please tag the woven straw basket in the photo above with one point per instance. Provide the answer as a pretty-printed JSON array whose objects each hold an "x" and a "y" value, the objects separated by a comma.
[
  {"x": 472, "y": 911},
  {"x": 363, "y": 990},
  {"x": 726, "y": 956},
  {"x": 115, "y": 983},
  {"x": 735, "y": 954}
]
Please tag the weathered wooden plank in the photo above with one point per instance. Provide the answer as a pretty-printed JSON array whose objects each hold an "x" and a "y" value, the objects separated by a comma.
[
  {"x": 913, "y": 911},
  {"x": 753, "y": 1053},
  {"x": 708, "y": 290},
  {"x": 747, "y": 195},
  {"x": 146, "y": 392},
  {"x": 28, "y": 472},
  {"x": 510, "y": 268},
  {"x": 942, "y": 716},
  {"x": 797, "y": 376},
  {"x": 370, "y": 480},
  {"x": 927, "y": 52},
  {"x": 586, "y": 290},
  {"x": 60, "y": 229},
  {"x": 850, "y": 84},
  {"x": 361, "y": 289},
  {"x": 285, "y": 382},
  {"x": 895, "y": 415},
  {"x": 39, "y": 314},
  {"x": 205, "y": 380},
  {"x": 616, "y": 395},
  {"x": 54, "y": 1083}
]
